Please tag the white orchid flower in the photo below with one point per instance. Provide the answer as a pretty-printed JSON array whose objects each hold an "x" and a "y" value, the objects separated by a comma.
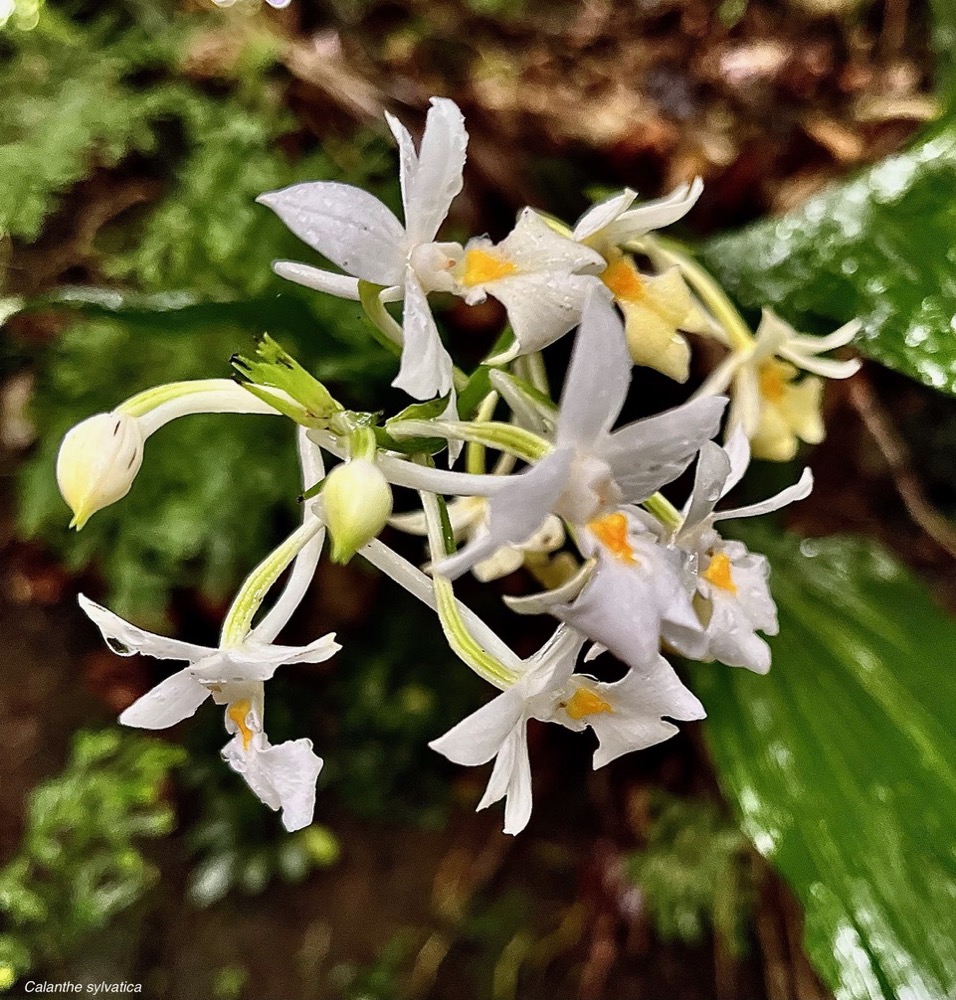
[
  {"x": 281, "y": 776},
  {"x": 593, "y": 470},
  {"x": 468, "y": 517},
  {"x": 730, "y": 583},
  {"x": 359, "y": 234},
  {"x": 536, "y": 274},
  {"x": 626, "y": 715},
  {"x": 656, "y": 307},
  {"x": 775, "y": 411},
  {"x": 734, "y": 602}
]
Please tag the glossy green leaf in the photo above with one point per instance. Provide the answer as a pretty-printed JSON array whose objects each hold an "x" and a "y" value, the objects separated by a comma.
[
  {"x": 881, "y": 246},
  {"x": 842, "y": 764}
]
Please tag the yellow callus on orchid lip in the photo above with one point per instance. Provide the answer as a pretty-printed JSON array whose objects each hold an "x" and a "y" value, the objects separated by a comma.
[
  {"x": 481, "y": 266},
  {"x": 611, "y": 532},
  {"x": 656, "y": 308},
  {"x": 238, "y": 711},
  {"x": 718, "y": 572},
  {"x": 790, "y": 411},
  {"x": 585, "y": 702}
]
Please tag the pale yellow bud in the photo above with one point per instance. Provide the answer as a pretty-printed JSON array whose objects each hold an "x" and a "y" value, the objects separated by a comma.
[
  {"x": 358, "y": 503},
  {"x": 97, "y": 463}
]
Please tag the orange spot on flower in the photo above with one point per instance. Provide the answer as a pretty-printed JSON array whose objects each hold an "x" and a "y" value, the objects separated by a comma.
[
  {"x": 482, "y": 266},
  {"x": 774, "y": 377},
  {"x": 624, "y": 280},
  {"x": 612, "y": 533},
  {"x": 238, "y": 711},
  {"x": 718, "y": 573},
  {"x": 585, "y": 702}
]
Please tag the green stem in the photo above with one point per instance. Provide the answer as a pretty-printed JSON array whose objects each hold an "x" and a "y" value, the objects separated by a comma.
[
  {"x": 513, "y": 440},
  {"x": 664, "y": 511},
  {"x": 362, "y": 443},
  {"x": 474, "y": 450},
  {"x": 257, "y": 584},
  {"x": 462, "y": 642}
]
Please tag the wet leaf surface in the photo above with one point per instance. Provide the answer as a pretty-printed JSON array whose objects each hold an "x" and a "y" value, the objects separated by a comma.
[
  {"x": 841, "y": 764},
  {"x": 881, "y": 247}
]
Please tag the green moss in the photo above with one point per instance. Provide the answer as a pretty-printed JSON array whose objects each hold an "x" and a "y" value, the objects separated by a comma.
[{"x": 80, "y": 862}]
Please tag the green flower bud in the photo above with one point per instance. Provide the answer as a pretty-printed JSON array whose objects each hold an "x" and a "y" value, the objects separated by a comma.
[
  {"x": 97, "y": 463},
  {"x": 358, "y": 503}
]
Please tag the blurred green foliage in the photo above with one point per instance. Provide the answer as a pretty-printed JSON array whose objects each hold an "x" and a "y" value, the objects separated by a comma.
[
  {"x": 380, "y": 979},
  {"x": 80, "y": 862},
  {"x": 694, "y": 873},
  {"x": 65, "y": 107},
  {"x": 191, "y": 285}
]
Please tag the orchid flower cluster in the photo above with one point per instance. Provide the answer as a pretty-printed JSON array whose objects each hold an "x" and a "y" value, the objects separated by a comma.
[{"x": 572, "y": 498}]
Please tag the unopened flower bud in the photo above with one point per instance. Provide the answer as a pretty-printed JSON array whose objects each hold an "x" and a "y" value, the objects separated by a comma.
[
  {"x": 97, "y": 463},
  {"x": 358, "y": 503}
]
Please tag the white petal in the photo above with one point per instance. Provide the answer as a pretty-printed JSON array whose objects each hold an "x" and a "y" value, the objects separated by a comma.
[
  {"x": 477, "y": 738},
  {"x": 551, "y": 665},
  {"x": 283, "y": 776},
  {"x": 518, "y": 802},
  {"x": 603, "y": 214},
  {"x": 259, "y": 662},
  {"x": 800, "y": 490},
  {"x": 825, "y": 367},
  {"x": 426, "y": 368},
  {"x": 655, "y": 214},
  {"x": 817, "y": 345},
  {"x": 542, "y": 603},
  {"x": 343, "y": 286},
  {"x": 407, "y": 160},
  {"x": 738, "y": 452},
  {"x": 303, "y": 569},
  {"x": 720, "y": 378},
  {"x": 730, "y": 633},
  {"x": 542, "y": 307},
  {"x": 514, "y": 513},
  {"x": 511, "y": 777},
  {"x": 126, "y": 639},
  {"x": 414, "y": 522},
  {"x": 745, "y": 406},
  {"x": 533, "y": 246},
  {"x": 649, "y": 453},
  {"x": 598, "y": 376},
  {"x": 617, "y": 609},
  {"x": 346, "y": 224},
  {"x": 639, "y": 702},
  {"x": 713, "y": 470},
  {"x": 171, "y": 701},
  {"x": 438, "y": 173},
  {"x": 507, "y": 560}
]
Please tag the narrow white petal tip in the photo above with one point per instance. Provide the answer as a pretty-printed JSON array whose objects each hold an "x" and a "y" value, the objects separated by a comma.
[{"x": 497, "y": 360}]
